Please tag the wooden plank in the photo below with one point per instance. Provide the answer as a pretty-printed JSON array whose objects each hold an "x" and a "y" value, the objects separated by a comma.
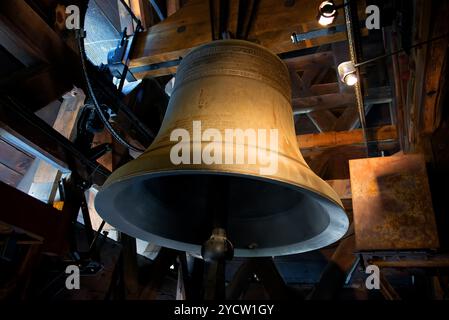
[
  {"x": 173, "y": 37},
  {"x": 14, "y": 158},
  {"x": 392, "y": 204},
  {"x": 22, "y": 49},
  {"x": 275, "y": 22},
  {"x": 345, "y": 138},
  {"x": 25, "y": 212},
  {"x": 9, "y": 176}
]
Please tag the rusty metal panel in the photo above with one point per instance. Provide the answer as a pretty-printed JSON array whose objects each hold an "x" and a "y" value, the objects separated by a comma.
[{"x": 392, "y": 204}]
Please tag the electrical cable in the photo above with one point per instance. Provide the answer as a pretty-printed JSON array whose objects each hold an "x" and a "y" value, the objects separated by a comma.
[{"x": 107, "y": 124}]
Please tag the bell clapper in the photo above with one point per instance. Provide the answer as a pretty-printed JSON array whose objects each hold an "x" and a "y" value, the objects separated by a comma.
[{"x": 217, "y": 249}]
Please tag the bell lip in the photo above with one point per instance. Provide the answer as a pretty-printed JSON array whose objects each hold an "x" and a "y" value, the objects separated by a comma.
[{"x": 337, "y": 228}]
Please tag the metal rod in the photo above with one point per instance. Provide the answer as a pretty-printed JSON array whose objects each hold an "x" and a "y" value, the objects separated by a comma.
[
  {"x": 354, "y": 58},
  {"x": 131, "y": 13},
  {"x": 157, "y": 9},
  {"x": 97, "y": 235},
  {"x": 251, "y": 19}
]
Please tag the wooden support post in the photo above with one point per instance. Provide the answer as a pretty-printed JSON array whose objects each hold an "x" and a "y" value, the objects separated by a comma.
[
  {"x": 240, "y": 281},
  {"x": 272, "y": 280},
  {"x": 129, "y": 264},
  {"x": 387, "y": 289}
]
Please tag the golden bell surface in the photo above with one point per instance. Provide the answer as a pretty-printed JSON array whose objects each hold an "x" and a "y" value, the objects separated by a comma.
[{"x": 227, "y": 144}]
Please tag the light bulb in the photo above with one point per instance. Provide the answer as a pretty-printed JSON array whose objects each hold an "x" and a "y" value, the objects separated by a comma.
[
  {"x": 326, "y": 13},
  {"x": 351, "y": 79},
  {"x": 348, "y": 73}
]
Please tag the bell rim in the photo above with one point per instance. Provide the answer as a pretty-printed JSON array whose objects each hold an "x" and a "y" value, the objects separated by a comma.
[{"x": 336, "y": 229}]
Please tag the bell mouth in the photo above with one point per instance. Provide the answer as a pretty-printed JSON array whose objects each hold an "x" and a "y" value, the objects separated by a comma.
[{"x": 264, "y": 217}]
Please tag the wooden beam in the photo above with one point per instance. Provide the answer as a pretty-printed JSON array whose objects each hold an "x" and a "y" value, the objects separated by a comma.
[
  {"x": 345, "y": 138},
  {"x": 416, "y": 85},
  {"x": 348, "y": 119},
  {"x": 174, "y": 37},
  {"x": 190, "y": 26},
  {"x": 436, "y": 71},
  {"x": 28, "y": 37},
  {"x": 33, "y": 30},
  {"x": 173, "y": 6},
  {"x": 324, "y": 88},
  {"x": 304, "y": 62},
  {"x": 323, "y": 120},
  {"x": 324, "y": 102}
]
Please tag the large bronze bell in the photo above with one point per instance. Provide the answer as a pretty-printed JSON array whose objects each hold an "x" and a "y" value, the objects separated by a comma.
[{"x": 268, "y": 209}]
